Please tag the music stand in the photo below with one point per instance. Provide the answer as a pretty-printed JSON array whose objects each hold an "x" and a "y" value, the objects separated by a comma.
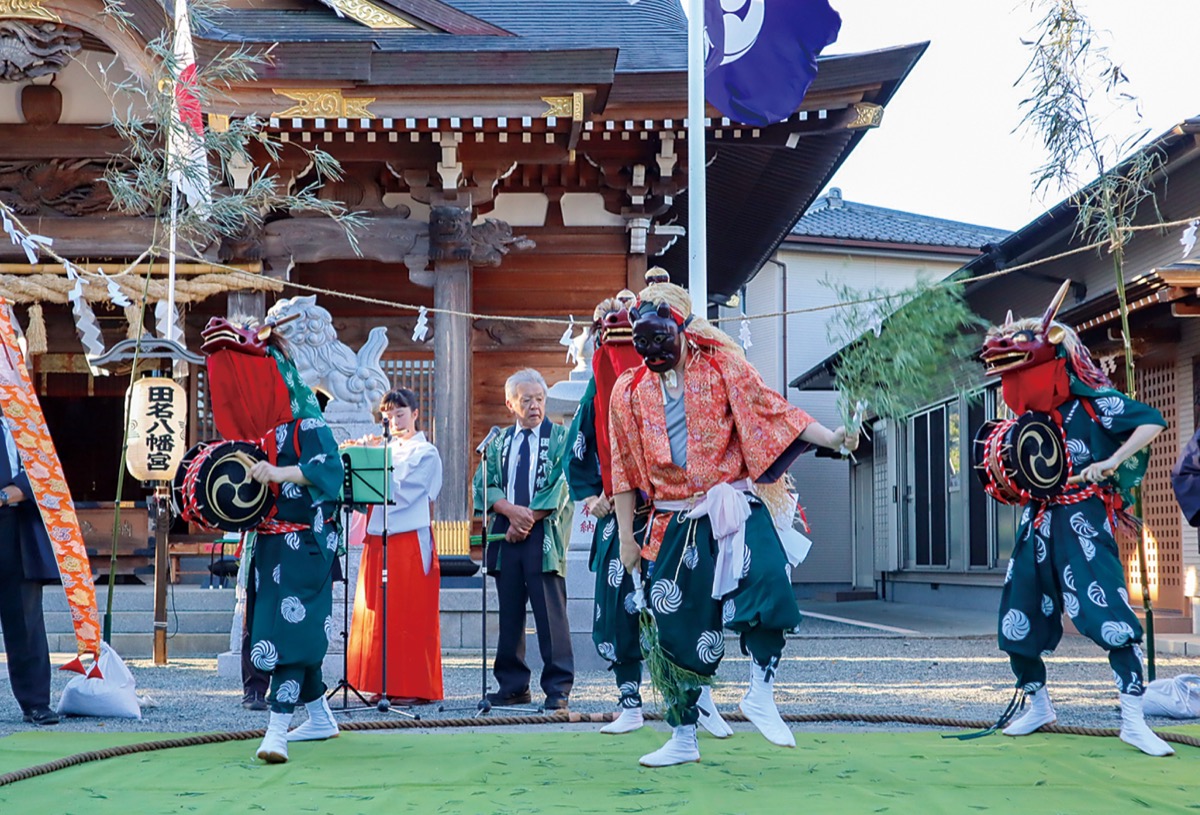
[
  {"x": 484, "y": 706},
  {"x": 343, "y": 684},
  {"x": 357, "y": 489}
]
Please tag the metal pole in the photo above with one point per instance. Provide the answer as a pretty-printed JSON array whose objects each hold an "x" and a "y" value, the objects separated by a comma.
[{"x": 697, "y": 192}]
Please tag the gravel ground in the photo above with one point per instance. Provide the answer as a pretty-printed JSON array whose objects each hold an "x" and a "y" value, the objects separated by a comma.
[{"x": 831, "y": 668}]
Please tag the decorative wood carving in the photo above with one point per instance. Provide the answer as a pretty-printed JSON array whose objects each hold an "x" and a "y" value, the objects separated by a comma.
[
  {"x": 323, "y": 103},
  {"x": 58, "y": 187},
  {"x": 368, "y": 14},
  {"x": 27, "y": 10},
  {"x": 492, "y": 240},
  {"x": 449, "y": 233},
  {"x": 30, "y": 49},
  {"x": 453, "y": 238}
]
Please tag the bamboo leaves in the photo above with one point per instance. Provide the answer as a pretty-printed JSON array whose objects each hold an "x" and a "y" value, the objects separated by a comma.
[{"x": 902, "y": 350}]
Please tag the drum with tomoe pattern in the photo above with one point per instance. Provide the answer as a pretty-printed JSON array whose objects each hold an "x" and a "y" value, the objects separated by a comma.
[
  {"x": 213, "y": 487},
  {"x": 1021, "y": 459}
]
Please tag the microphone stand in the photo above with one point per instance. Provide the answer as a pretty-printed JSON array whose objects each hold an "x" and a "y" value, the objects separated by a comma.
[
  {"x": 385, "y": 704},
  {"x": 343, "y": 684}
]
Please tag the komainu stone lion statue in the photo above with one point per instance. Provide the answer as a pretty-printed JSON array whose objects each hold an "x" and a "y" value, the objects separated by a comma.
[{"x": 355, "y": 383}]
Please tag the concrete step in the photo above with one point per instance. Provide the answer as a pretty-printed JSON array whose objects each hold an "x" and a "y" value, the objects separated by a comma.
[
  {"x": 844, "y": 596},
  {"x": 141, "y": 598},
  {"x": 137, "y": 622},
  {"x": 1167, "y": 622},
  {"x": 141, "y": 646},
  {"x": 200, "y": 620}
]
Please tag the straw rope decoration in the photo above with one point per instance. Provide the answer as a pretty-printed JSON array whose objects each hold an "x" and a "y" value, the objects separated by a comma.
[{"x": 48, "y": 288}]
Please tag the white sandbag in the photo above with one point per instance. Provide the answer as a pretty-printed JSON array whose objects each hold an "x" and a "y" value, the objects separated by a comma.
[
  {"x": 110, "y": 694},
  {"x": 1177, "y": 697}
]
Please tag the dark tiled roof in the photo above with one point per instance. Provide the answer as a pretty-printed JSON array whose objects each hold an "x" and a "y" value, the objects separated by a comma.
[
  {"x": 831, "y": 216},
  {"x": 651, "y": 36}
]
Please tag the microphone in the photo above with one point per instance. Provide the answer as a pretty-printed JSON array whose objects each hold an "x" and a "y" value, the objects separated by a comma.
[
  {"x": 492, "y": 434},
  {"x": 387, "y": 430}
]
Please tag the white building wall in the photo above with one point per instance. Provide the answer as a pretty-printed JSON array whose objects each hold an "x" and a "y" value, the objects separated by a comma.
[
  {"x": 763, "y": 295},
  {"x": 824, "y": 484}
]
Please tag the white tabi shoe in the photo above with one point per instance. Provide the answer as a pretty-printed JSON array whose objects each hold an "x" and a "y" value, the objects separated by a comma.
[
  {"x": 759, "y": 706},
  {"x": 630, "y": 720},
  {"x": 273, "y": 749},
  {"x": 681, "y": 748},
  {"x": 1135, "y": 731},
  {"x": 320, "y": 724},
  {"x": 1039, "y": 714},
  {"x": 710, "y": 717}
]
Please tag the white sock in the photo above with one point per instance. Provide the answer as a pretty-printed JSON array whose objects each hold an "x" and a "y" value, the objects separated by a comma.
[
  {"x": 1135, "y": 731},
  {"x": 1040, "y": 713},
  {"x": 681, "y": 748}
]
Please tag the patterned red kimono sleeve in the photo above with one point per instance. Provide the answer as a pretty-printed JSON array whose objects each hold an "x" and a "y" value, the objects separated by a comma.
[
  {"x": 625, "y": 439},
  {"x": 768, "y": 427}
]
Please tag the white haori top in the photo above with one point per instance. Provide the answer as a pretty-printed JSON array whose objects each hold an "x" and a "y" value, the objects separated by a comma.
[{"x": 416, "y": 480}]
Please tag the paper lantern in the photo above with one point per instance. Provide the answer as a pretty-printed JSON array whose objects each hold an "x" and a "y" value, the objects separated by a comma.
[{"x": 157, "y": 429}]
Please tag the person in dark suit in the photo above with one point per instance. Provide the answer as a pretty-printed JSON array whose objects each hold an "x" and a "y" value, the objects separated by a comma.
[
  {"x": 26, "y": 564},
  {"x": 525, "y": 491}
]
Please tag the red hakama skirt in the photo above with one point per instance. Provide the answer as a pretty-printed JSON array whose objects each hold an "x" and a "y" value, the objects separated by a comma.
[{"x": 414, "y": 647}]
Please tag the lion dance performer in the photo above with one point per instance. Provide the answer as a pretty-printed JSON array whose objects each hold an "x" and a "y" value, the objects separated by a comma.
[
  {"x": 589, "y": 476},
  {"x": 1065, "y": 555},
  {"x": 698, "y": 432},
  {"x": 257, "y": 394}
]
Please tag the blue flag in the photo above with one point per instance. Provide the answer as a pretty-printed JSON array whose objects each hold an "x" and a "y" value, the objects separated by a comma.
[{"x": 762, "y": 55}]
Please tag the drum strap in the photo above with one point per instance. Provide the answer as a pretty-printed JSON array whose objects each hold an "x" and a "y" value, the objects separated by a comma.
[
  {"x": 1112, "y": 499},
  {"x": 269, "y": 525}
]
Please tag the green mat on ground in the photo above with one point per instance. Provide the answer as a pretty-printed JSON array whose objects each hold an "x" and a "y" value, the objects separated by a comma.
[{"x": 526, "y": 773}]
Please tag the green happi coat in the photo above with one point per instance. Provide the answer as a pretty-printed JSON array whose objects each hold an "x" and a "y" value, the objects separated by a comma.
[
  {"x": 550, "y": 492},
  {"x": 292, "y": 572},
  {"x": 1066, "y": 558},
  {"x": 615, "y": 618}
]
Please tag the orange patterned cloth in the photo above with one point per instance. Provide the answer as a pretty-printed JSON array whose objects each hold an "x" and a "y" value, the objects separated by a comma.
[
  {"x": 737, "y": 428},
  {"x": 45, "y": 473}
]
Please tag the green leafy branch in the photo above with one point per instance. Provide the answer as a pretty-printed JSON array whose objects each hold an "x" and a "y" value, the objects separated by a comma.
[
  {"x": 144, "y": 115},
  {"x": 901, "y": 350}
]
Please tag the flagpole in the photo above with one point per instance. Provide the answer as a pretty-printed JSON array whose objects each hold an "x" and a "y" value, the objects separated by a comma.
[
  {"x": 697, "y": 192},
  {"x": 170, "y": 321}
]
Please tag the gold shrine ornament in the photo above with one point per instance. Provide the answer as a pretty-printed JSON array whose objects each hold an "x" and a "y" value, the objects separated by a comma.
[
  {"x": 26, "y": 10},
  {"x": 369, "y": 14},
  {"x": 157, "y": 428},
  {"x": 323, "y": 103}
]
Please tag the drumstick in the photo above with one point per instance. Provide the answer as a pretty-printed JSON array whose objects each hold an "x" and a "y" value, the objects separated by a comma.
[
  {"x": 1079, "y": 479},
  {"x": 244, "y": 458}
]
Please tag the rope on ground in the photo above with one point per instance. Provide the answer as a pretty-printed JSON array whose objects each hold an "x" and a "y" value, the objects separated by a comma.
[{"x": 557, "y": 718}]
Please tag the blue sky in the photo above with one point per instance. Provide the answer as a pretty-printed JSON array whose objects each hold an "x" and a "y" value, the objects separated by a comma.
[{"x": 947, "y": 146}]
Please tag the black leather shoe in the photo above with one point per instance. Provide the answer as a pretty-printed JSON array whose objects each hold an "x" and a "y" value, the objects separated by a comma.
[
  {"x": 254, "y": 702},
  {"x": 41, "y": 716},
  {"x": 501, "y": 700},
  {"x": 556, "y": 703}
]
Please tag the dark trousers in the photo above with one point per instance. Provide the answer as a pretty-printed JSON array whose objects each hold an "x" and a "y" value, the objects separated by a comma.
[
  {"x": 521, "y": 579},
  {"x": 22, "y": 621}
]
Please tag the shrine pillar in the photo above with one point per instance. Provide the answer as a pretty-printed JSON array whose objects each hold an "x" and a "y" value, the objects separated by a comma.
[{"x": 450, "y": 251}]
